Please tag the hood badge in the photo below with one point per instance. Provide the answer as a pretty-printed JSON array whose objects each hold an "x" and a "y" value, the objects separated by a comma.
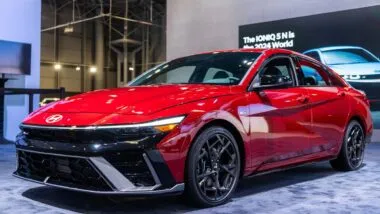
[{"x": 54, "y": 118}]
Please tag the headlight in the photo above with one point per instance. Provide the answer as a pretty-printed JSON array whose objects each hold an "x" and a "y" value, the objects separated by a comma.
[
  {"x": 139, "y": 132},
  {"x": 162, "y": 125}
]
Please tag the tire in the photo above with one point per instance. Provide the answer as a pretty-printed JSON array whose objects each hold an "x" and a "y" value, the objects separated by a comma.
[
  {"x": 351, "y": 154},
  {"x": 214, "y": 153}
]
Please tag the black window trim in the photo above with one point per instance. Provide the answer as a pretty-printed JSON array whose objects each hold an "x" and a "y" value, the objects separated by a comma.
[
  {"x": 319, "y": 65},
  {"x": 318, "y": 53},
  {"x": 267, "y": 61}
]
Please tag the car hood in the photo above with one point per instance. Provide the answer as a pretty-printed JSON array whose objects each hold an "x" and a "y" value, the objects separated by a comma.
[
  {"x": 140, "y": 100},
  {"x": 357, "y": 69}
]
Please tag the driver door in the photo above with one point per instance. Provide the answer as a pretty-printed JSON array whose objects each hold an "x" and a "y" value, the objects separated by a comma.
[{"x": 278, "y": 114}]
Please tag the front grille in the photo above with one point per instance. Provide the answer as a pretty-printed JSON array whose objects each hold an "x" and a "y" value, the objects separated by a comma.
[
  {"x": 363, "y": 77},
  {"x": 79, "y": 136},
  {"x": 133, "y": 166},
  {"x": 370, "y": 76},
  {"x": 64, "y": 171}
]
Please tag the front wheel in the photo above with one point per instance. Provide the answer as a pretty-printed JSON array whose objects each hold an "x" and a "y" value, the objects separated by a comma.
[
  {"x": 352, "y": 152},
  {"x": 213, "y": 167}
]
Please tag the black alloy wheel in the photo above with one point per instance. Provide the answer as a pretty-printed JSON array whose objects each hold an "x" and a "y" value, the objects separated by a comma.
[
  {"x": 351, "y": 155},
  {"x": 213, "y": 167},
  {"x": 355, "y": 146}
]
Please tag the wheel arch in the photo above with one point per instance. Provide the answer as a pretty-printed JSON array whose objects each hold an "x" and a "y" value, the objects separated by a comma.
[
  {"x": 234, "y": 131},
  {"x": 360, "y": 121}
]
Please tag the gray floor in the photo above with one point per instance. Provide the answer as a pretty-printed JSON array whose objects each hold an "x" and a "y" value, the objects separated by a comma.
[{"x": 309, "y": 189}]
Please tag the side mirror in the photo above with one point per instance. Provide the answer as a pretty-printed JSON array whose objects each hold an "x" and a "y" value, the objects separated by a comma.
[{"x": 273, "y": 81}]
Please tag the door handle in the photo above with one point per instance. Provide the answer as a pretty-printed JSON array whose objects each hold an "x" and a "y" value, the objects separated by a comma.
[
  {"x": 341, "y": 93},
  {"x": 303, "y": 99}
]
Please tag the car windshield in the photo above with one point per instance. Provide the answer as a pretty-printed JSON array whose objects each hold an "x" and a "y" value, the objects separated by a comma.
[
  {"x": 347, "y": 56},
  {"x": 214, "y": 68}
]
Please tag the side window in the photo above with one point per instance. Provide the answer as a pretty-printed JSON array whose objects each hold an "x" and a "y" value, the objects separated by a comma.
[
  {"x": 278, "y": 70},
  {"x": 313, "y": 75},
  {"x": 314, "y": 54}
]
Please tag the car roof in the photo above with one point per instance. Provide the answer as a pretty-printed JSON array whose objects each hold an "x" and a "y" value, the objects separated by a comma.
[
  {"x": 253, "y": 50},
  {"x": 333, "y": 48},
  {"x": 267, "y": 51}
]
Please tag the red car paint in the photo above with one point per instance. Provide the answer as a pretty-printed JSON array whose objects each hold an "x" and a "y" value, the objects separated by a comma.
[{"x": 277, "y": 127}]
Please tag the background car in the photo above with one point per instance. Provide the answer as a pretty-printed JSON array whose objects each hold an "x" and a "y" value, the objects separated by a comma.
[
  {"x": 48, "y": 100},
  {"x": 198, "y": 124},
  {"x": 356, "y": 65}
]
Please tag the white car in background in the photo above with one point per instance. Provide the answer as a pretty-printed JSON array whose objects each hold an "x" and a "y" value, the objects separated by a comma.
[
  {"x": 356, "y": 65},
  {"x": 48, "y": 100}
]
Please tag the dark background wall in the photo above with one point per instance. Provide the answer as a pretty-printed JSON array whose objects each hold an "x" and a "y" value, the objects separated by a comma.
[
  {"x": 196, "y": 25},
  {"x": 356, "y": 27}
]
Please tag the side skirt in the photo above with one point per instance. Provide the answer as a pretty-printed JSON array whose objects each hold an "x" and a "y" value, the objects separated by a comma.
[{"x": 268, "y": 169}]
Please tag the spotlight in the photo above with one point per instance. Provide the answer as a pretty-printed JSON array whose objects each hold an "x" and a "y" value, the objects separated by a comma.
[
  {"x": 131, "y": 69},
  {"x": 77, "y": 68},
  {"x": 93, "y": 69},
  {"x": 57, "y": 66},
  {"x": 68, "y": 29}
]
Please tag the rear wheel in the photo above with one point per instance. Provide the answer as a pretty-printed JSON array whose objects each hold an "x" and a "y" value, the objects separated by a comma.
[
  {"x": 213, "y": 167},
  {"x": 352, "y": 152}
]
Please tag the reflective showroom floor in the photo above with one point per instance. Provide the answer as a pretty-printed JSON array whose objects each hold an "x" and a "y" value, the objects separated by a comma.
[{"x": 308, "y": 189}]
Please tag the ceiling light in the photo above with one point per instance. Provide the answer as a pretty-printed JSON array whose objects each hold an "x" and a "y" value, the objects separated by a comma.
[
  {"x": 93, "y": 69},
  {"x": 131, "y": 69},
  {"x": 77, "y": 68},
  {"x": 57, "y": 66},
  {"x": 68, "y": 29}
]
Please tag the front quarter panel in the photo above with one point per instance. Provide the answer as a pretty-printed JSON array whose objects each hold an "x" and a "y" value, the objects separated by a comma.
[{"x": 175, "y": 147}]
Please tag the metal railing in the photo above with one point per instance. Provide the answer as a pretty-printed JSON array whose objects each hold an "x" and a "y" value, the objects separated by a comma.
[{"x": 31, "y": 92}]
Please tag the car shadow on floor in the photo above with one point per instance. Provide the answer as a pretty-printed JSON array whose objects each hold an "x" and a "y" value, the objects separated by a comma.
[
  {"x": 83, "y": 202},
  {"x": 267, "y": 182}
]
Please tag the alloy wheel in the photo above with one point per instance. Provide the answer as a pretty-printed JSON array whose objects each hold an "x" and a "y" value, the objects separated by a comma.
[
  {"x": 355, "y": 146},
  {"x": 217, "y": 167}
]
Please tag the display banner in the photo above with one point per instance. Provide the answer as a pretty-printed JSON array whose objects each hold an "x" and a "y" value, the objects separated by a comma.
[
  {"x": 358, "y": 27},
  {"x": 347, "y": 41}
]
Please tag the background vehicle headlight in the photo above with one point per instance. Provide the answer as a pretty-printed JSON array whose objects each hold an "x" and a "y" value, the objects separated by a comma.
[{"x": 352, "y": 77}]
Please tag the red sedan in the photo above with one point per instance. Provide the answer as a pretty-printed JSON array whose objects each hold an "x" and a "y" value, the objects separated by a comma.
[{"x": 197, "y": 125}]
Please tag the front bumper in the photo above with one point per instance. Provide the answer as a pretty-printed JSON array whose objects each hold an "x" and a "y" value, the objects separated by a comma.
[{"x": 101, "y": 168}]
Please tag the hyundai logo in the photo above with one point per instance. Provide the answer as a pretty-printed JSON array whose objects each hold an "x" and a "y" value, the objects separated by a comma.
[{"x": 54, "y": 118}]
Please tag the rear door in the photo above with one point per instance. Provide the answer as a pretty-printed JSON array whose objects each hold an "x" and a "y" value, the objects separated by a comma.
[{"x": 328, "y": 103}]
